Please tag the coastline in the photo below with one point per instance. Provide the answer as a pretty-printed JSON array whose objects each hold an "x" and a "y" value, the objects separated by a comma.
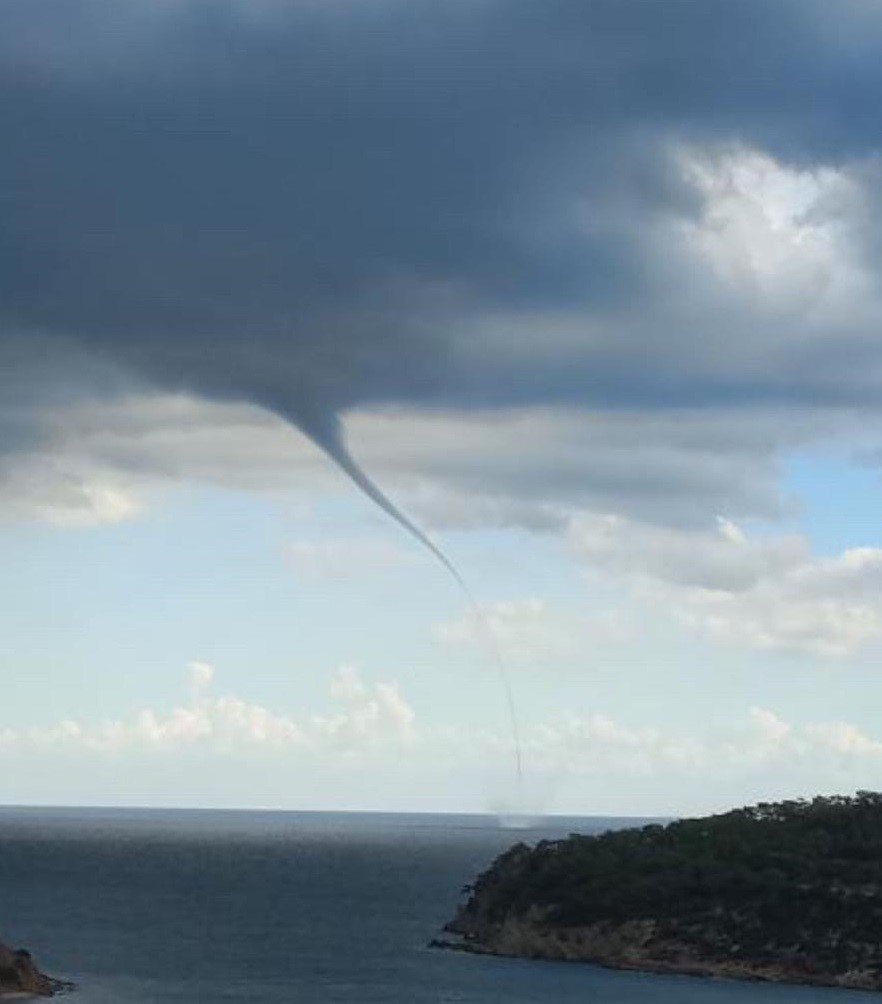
[{"x": 635, "y": 946}]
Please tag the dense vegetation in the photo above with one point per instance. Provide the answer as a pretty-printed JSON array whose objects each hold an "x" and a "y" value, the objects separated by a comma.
[{"x": 795, "y": 884}]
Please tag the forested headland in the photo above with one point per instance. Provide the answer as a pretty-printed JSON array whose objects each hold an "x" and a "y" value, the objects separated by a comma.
[{"x": 787, "y": 891}]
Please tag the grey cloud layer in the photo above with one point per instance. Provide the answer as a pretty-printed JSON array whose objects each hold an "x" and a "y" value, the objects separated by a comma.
[
  {"x": 319, "y": 206},
  {"x": 546, "y": 256},
  {"x": 530, "y": 468}
]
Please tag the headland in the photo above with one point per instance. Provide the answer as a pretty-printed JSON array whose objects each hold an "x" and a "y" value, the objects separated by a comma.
[{"x": 787, "y": 892}]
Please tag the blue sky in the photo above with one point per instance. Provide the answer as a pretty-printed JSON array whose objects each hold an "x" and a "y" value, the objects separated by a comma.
[{"x": 590, "y": 290}]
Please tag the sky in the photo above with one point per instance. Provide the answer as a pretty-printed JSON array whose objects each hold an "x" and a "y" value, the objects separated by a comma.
[{"x": 587, "y": 292}]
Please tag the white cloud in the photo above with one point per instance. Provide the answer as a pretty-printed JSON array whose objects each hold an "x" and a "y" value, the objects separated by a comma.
[
  {"x": 779, "y": 616},
  {"x": 347, "y": 685},
  {"x": 375, "y": 719},
  {"x": 722, "y": 559},
  {"x": 780, "y": 233},
  {"x": 769, "y": 726},
  {"x": 367, "y": 715},
  {"x": 768, "y": 593},
  {"x": 843, "y": 738},
  {"x": 201, "y": 676},
  {"x": 596, "y": 743}
]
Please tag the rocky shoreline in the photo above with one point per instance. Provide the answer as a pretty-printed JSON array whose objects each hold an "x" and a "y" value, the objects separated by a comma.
[
  {"x": 637, "y": 946},
  {"x": 20, "y": 977}
]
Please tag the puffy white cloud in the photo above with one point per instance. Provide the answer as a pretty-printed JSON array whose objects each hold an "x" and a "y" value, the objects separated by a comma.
[
  {"x": 843, "y": 738},
  {"x": 347, "y": 686},
  {"x": 721, "y": 560},
  {"x": 781, "y": 235},
  {"x": 375, "y": 719},
  {"x": 597, "y": 743},
  {"x": 368, "y": 716},
  {"x": 769, "y": 726},
  {"x": 767, "y": 593},
  {"x": 201, "y": 674},
  {"x": 779, "y": 617}
]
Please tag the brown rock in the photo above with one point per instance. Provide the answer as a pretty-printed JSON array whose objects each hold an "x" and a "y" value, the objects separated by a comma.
[{"x": 18, "y": 974}]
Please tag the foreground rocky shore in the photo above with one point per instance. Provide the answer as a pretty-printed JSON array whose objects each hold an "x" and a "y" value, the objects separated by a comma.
[
  {"x": 19, "y": 975},
  {"x": 788, "y": 892}
]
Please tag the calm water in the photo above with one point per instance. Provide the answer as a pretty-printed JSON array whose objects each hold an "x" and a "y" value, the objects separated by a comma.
[{"x": 307, "y": 908}]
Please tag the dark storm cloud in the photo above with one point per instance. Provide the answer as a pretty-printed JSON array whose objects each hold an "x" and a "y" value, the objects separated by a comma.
[{"x": 316, "y": 206}]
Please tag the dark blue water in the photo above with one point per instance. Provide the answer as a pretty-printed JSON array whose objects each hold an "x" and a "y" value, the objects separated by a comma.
[{"x": 306, "y": 908}]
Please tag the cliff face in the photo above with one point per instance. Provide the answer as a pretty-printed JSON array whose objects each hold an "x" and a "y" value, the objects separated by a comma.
[
  {"x": 19, "y": 975},
  {"x": 788, "y": 893}
]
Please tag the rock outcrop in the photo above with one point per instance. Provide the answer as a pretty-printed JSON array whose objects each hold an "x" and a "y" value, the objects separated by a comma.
[{"x": 19, "y": 975}]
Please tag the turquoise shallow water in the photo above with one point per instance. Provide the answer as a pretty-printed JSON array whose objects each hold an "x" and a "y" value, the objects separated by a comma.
[{"x": 305, "y": 908}]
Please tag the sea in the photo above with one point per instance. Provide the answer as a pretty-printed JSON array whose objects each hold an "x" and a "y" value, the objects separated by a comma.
[{"x": 178, "y": 906}]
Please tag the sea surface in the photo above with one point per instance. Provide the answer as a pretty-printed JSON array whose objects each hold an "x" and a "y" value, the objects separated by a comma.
[{"x": 155, "y": 906}]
